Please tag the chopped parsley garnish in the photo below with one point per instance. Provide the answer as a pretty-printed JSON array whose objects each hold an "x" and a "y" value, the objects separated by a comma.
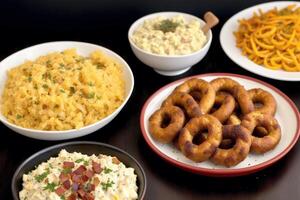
[
  {"x": 72, "y": 90},
  {"x": 107, "y": 185},
  {"x": 45, "y": 86},
  {"x": 62, "y": 91},
  {"x": 41, "y": 177},
  {"x": 63, "y": 198},
  {"x": 98, "y": 97},
  {"x": 66, "y": 171},
  {"x": 167, "y": 26},
  {"x": 29, "y": 78},
  {"x": 91, "y": 95},
  {"x": 100, "y": 66},
  {"x": 86, "y": 163},
  {"x": 50, "y": 187},
  {"x": 61, "y": 65},
  {"x": 19, "y": 116},
  {"x": 107, "y": 170},
  {"x": 79, "y": 160},
  {"x": 90, "y": 84}
]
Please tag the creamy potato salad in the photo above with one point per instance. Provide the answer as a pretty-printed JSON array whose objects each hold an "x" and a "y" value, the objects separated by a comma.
[
  {"x": 169, "y": 36},
  {"x": 72, "y": 176}
]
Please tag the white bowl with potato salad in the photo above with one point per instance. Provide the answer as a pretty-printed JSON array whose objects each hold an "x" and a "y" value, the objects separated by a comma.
[{"x": 169, "y": 42}]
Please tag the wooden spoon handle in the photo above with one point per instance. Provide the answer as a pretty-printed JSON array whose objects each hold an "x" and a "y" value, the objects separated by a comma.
[{"x": 211, "y": 20}]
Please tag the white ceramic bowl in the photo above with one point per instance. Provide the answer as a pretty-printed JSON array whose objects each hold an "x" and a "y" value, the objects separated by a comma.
[
  {"x": 84, "y": 49},
  {"x": 164, "y": 64}
]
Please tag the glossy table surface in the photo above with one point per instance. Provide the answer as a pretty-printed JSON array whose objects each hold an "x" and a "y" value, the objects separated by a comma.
[{"x": 28, "y": 22}]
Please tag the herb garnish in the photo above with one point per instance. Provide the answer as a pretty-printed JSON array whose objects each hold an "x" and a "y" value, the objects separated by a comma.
[
  {"x": 107, "y": 170},
  {"x": 91, "y": 95},
  {"x": 45, "y": 86},
  {"x": 167, "y": 25},
  {"x": 66, "y": 171},
  {"x": 72, "y": 90},
  {"x": 29, "y": 78},
  {"x": 79, "y": 160},
  {"x": 50, "y": 187},
  {"x": 100, "y": 66},
  {"x": 62, "y": 91},
  {"x": 41, "y": 177},
  {"x": 90, "y": 84},
  {"x": 19, "y": 116},
  {"x": 107, "y": 185}
]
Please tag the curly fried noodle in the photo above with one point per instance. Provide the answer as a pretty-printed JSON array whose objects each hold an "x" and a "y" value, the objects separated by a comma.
[{"x": 272, "y": 38}]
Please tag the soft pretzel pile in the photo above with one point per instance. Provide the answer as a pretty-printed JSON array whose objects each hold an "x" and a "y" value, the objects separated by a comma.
[{"x": 217, "y": 120}]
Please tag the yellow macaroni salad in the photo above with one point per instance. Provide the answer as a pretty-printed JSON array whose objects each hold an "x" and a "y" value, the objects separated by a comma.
[{"x": 63, "y": 90}]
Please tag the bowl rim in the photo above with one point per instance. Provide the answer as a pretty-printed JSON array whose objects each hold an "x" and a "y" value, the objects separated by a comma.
[
  {"x": 61, "y": 145},
  {"x": 4, "y": 120},
  {"x": 152, "y": 15}
]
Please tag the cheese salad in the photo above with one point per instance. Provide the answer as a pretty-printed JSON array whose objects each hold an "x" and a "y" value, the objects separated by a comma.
[
  {"x": 169, "y": 36},
  {"x": 73, "y": 176},
  {"x": 63, "y": 90}
]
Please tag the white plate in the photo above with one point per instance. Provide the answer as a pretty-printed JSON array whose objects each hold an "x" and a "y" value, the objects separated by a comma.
[
  {"x": 286, "y": 112},
  {"x": 83, "y": 49},
  {"x": 228, "y": 43}
]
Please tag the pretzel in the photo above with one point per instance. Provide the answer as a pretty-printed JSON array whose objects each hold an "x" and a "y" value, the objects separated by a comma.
[
  {"x": 233, "y": 155},
  {"x": 235, "y": 89},
  {"x": 201, "y": 90},
  {"x": 165, "y": 123},
  {"x": 268, "y": 142},
  {"x": 203, "y": 151}
]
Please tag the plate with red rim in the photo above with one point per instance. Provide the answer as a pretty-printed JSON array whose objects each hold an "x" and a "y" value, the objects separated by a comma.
[{"x": 286, "y": 112}]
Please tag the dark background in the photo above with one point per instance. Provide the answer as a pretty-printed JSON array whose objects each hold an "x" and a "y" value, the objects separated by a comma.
[{"x": 106, "y": 22}]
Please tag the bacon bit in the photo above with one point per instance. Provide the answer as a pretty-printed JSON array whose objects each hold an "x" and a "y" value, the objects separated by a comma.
[
  {"x": 115, "y": 160},
  {"x": 89, "y": 173},
  {"x": 80, "y": 170},
  {"x": 60, "y": 191},
  {"x": 76, "y": 178},
  {"x": 67, "y": 184},
  {"x": 63, "y": 177},
  {"x": 75, "y": 187},
  {"x": 81, "y": 193},
  {"x": 96, "y": 181},
  {"x": 84, "y": 178},
  {"x": 68, "y": 164},
  {"x": 96, "y": 167},
  {"x": 73, "y": 196},
  {"x": 88, "y": 197}
]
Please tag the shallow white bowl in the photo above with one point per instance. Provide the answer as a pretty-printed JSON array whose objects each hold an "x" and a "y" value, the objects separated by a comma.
[
  {"x": 228, "y": 43},
  {"x": 83, "y": 49},
  {"x": 164, "y": 64}
]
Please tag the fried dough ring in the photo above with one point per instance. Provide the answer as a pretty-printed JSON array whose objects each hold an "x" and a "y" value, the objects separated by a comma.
[
  {"x": 185, "y": 101},
  {"x": 227, "y": 103},
  {"x": 238, "y": 91},
  {"x": 203, "y": 151},
  {"x": 233, "y": 120},
  {"x": 162, "y": 131},
  {"x": 258, "y": 95},
  {"x": 268, "y": 142},
  {"x": 205, "y": 93},
  {"x": 237, "y": 153}
]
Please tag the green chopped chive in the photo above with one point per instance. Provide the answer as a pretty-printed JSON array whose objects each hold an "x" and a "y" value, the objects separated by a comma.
[
  {"x": 41, "y": 177},
  {"x": 100, "y": 66},
  {"x": 72, "y": 90},
  {"x": 62, "y": 91},
  {"x": 86, "y": 163},
  {"x": 98, "y": 97},
  {"x": 107, "y": 170},
  {"x": 66, "y": 171},
  {"x": 107, "y": 185},
  {"x": 19, "y": 116},
  {"x": 79, "y": 160},
  {"x": 90, "y": 84},
  {"x": 50, "y": 187},
  {"x": 63, "y": 198},
  {"x": 91, "y": 95},
  {"x": 45, "y": 86}
]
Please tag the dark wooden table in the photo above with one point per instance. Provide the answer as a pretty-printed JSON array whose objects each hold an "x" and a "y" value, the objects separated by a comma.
[{"x": 105, "y": 22}]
